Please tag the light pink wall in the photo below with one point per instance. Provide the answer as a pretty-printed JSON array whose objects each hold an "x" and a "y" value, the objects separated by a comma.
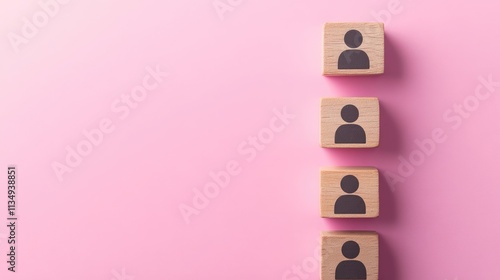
[{"x": 229, "y": 77}]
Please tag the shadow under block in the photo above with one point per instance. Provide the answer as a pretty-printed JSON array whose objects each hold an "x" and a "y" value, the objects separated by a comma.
[
  {"x": 349, "y": 192},
  {"x": 349, "y": 255},
  {"x": 353, "y": 48},
  {"x": 350, "y": 122}
]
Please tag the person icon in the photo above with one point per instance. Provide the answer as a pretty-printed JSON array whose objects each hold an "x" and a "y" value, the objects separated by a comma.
[
  {"x": 349, "y": 203},
  {"x": 350, "y": 269},
  {"x": 350, "y": 133},
  {"x": 353, "y": 59}
]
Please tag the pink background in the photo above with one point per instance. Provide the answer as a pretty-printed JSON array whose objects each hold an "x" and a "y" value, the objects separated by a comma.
[{"x": 116, "y": 215}]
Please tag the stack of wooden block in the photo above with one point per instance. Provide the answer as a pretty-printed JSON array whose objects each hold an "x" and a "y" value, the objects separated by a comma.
[{"x": 351, "y": 192}]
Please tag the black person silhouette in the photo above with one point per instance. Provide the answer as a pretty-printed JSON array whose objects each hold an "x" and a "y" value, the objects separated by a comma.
[
  {"x": 350, "y": 133},
  {"x": 353, "y": 59},
  {"x": 350, "y": 269},
  {"x": 349, "y": 203}
]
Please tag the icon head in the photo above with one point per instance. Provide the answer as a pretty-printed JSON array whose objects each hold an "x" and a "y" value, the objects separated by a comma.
[
  {"x": 349, "y": 184},
  {"x": 353, "y": 38},
  {"x": 350, "y": 249},
  {"x": 349, "y": 113}
]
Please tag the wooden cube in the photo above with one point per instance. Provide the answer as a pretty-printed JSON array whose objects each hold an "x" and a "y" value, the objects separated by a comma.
[
  {"x": 349, "y": 255},
  {"x": 349, "y": 192},
  {"x": 350, "y": 122},
  {"x": 353, "y": 48}
]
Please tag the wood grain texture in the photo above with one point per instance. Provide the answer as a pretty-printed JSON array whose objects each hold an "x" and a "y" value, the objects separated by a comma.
[
  {"x": 331, "y": 191},
  {"x": 334, "y": 45},
  {"x": 332, "y": 256},
  {"x": 368, "y": 119}
]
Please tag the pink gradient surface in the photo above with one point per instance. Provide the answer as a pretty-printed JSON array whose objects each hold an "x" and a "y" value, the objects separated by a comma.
[{"x": 116, "y": 214}]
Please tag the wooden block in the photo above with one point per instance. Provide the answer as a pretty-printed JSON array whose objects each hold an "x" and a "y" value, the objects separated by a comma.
[
  {"x": 349, "y": 255},
  {"x": 350, "y": 122},
  {"x": 353, "y": 48},
  {"x": 349, "y": 192}
]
